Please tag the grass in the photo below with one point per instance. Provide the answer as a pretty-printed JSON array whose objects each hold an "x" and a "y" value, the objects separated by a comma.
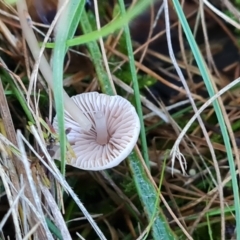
[{"x": 179, "y": 182}]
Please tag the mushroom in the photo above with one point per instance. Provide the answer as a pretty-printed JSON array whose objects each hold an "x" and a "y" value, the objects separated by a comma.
[{"x": 114, "y": 132}]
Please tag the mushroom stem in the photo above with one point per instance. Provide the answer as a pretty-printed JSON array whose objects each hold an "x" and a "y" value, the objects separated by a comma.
[
  {"x": 101, "y": 128},
  {"x": 45, "y": 68}
]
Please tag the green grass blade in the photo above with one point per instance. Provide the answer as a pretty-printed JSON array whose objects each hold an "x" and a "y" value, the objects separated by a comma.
[
  {"x": 53, "y": 228},
  {"x": 135, "y": 85},
  {"x": 149, "y": 198},
  {"x": 107, "y": 29},
  {"x": 96, "y": 57},
  {"x": 65, "y": 30},
  {"x": 210, "y": 89}
]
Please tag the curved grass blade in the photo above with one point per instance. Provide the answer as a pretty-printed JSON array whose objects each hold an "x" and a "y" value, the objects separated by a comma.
[
  {"x": 210, "y": 89},
  {"x": 65, "y": 30},
  {"x": 107, "y": 29}
]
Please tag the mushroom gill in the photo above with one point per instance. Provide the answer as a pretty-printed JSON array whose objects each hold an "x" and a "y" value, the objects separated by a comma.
[{"x": 101, "y": 128}]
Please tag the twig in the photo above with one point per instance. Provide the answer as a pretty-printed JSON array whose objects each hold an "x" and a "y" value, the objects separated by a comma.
[{"x": 222, "y": 15}]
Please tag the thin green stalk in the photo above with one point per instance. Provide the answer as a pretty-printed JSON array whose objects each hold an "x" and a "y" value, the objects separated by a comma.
[
  {"x": 135, "y": 85},
  {"x": 209, "y": 227},
  {"x": 204, "y": 72},
  {"x": 65, "y": 30}
]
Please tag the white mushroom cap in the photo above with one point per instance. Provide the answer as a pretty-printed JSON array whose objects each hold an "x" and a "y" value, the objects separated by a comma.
[{"x": 114, "y": 132}]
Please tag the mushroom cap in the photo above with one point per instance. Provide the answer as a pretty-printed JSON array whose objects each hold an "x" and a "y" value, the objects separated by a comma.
[{"x": 123, "y": 127}]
